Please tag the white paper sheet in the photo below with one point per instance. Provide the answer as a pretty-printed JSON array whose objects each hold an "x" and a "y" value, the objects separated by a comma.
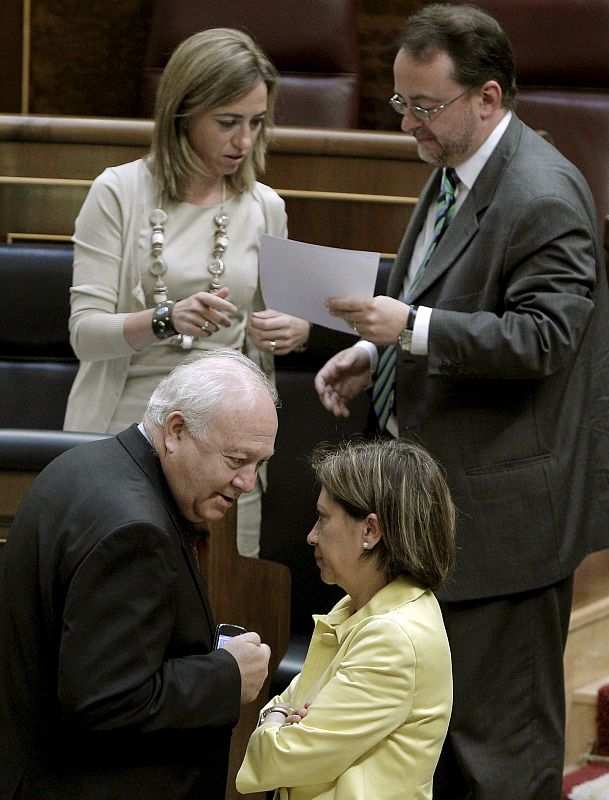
[{"x": 297, "y": 278}]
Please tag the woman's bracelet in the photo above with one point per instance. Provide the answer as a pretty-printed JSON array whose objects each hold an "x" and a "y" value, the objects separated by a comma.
[
  {"x": 285, "y": 711},
  {"x": 162, "y": 326}
]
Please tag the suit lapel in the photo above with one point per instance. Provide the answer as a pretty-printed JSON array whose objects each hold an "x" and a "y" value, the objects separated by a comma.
[
  {"x": 140, "y": 449},
  {"x": 465, "y": 224},
  {"x": 456, "y": 238}
]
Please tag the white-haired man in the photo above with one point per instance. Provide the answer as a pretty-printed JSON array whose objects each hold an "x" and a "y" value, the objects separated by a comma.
[{"x": 109, "y": 684}]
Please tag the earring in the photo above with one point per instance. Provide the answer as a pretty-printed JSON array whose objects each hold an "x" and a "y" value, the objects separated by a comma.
[{"x": 365, "y": 545}]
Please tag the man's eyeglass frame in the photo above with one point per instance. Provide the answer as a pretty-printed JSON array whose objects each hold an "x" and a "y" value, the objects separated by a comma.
[{"x": 421, "y": 113}]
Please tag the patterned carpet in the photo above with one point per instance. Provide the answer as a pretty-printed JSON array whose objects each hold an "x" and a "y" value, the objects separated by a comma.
[{"x": 591, "y": 782}]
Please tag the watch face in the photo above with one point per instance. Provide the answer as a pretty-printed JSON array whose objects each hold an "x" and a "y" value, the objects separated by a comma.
[{"x": 405, "y": 340}]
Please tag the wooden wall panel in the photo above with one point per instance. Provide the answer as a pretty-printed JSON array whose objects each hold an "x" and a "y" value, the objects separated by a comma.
[
  {"x": 380, "y": 23},
  {"x": 85, "y": 57},
  {"x": 342, "y": 188},
  {"x": 11, "y": 30}
]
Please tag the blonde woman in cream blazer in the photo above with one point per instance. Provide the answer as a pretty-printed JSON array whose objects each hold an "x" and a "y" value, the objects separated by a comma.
[
  {"x": 367, "y": 716},
  {"x": 166, "y": 247}
]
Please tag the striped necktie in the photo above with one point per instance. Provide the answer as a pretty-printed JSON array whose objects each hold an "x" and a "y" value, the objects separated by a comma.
[{"x": 383, "y": 390}]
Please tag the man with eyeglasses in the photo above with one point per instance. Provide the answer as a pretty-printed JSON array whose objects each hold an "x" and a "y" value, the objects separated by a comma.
[{"x": 491, "y": 349}]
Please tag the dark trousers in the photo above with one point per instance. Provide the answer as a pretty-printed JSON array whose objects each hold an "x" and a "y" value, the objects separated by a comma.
[{"x": 506, "y": 735}]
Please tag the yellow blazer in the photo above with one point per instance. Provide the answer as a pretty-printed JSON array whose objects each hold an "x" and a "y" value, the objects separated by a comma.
[{"x": 380, "y": 687}]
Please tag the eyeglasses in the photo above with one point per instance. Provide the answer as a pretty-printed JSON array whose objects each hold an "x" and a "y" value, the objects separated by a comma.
[{"x": 421, "y": 113}]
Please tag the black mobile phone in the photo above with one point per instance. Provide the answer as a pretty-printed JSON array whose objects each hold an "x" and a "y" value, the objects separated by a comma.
[{"x": 225, "y": 632}]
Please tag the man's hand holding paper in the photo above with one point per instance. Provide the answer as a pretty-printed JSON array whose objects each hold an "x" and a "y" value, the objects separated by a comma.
[
  {"x": 378, "y": 319},
  {"x": 298, "y": 278}
]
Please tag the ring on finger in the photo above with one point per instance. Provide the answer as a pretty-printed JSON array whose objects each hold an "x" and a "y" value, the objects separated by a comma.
[
  {"x": 272, "y": 345},
  {"x": 205, "y": 326}
]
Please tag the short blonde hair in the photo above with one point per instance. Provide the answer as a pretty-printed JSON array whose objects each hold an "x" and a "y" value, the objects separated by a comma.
[
  {"x": 403, "y": 485},
  {"x": 209, "y": 69}
]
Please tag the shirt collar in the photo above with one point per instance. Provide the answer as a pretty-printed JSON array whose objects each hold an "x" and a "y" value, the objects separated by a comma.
[
  {"x": 470, "y": 169},
  {"x": 341, "y": 619}
]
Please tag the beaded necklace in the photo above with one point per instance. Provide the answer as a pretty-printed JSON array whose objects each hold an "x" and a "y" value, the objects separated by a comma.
[
  {"x": 216, "y": 268},
  {"x": 158, "y": 268}
]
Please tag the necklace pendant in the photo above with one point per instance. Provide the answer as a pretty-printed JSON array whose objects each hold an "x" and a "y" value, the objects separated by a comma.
[
  {"x": 160, "y": 291},
  {"x": 158, "y": 268},
  {"x": 216, "y": 270},
  {"x": 185, "y": 341},
  {"x": 158, "y": 217},
  {"x": 221, "y": 243}
]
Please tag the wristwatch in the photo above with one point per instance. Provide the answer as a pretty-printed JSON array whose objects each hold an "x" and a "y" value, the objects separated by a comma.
[
  {"x": 405, "y": 337},
  {"x": 285, "y": 711}
]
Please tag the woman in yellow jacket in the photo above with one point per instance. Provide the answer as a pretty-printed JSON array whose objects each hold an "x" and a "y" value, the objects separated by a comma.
[{"x": 367, "y": 716}]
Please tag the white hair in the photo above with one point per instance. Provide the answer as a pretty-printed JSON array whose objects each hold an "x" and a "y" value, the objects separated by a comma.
[{"x": 199, "y": 386}]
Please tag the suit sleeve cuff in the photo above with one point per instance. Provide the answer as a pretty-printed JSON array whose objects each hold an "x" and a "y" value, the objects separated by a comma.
[
  {"x": 372, "y": 351},
  {"x": 420, "y": 332}
]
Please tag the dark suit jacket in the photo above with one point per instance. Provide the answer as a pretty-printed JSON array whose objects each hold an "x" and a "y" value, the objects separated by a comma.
[
  {"x": 512, "y": 397},
  {"x": 108, "y": 686}
]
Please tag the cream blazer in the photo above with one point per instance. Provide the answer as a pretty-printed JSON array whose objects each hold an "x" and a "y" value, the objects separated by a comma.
[
  {"x": 108, "y": 286},
  {"x": 380, "y": 687}
]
